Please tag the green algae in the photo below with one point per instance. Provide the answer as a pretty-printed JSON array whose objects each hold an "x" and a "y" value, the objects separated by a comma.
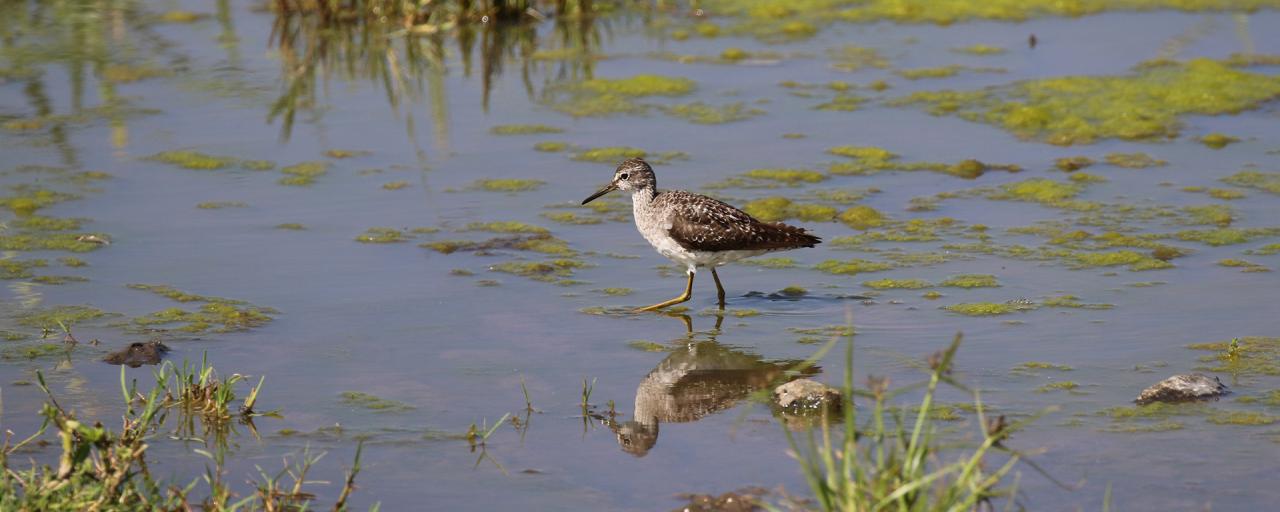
[
  {"x": 1218, "y": 140},
  {"x": 773, "y": 209},
  {"x": 1247, "y": 356},
  {"x": 193, "y": 160},
  {"x": 303, "y": 174},
  {"x": 53, "y": 317},
  {"x": 72, "y": 261},
  {"x": 1270, "y": 398},
  {"x": 982, "y": 308},
  {"x": 395, "y": 185},
  {"x": 862, "y": 217},
  {"x": 647, "y": 346},
  {"x": 41, "y": 223},
  {"x": 57, "y": 280},
  {"x": 218, "y": 205},
  {"x": 19, "y": 269},
  {"x": 1134, "y": 160},
  {"x": 381, "y": 235},
  {"x": 640, "y": 85},
  {"x": 1145, "y": 105},
  {"x": 1084, "y": 177},
  {"x": 1213, "y": 214},
  {"x": 851, "y": 266},
  {"x": 346, "y": 153},
  {"x": 906, "y": 284},
  {"x": 1225, "y": 236},
  {"x": 257, "y": 165},
  {"x": 932, "y": 295},
  {"x": 787, "y": 176},
  {"x": 776, "y": 263},
  {"x": 70, "y": 242},
  {"x": 505, "y": 227},
  {"x": 703, "y": 113},
  {"x": 613, "y": 154},
  {"x": 1071, "y": 301},
  {"x": 1039, "y": 190},
  {"x": 547, "y": 271},
  {"x": 853, "y": 58},
  {"x": 1033, "y": 366},
  {"x": 1072, "y": 163},
  {"x": 1133, "y": 428},
  {"x": 524, "y": 129},
  {"x": 508, "y": 185},
  {"x": 1247, "y": 418},
  {"x": 34, "y": 351},
  {"x": 373, "y": 403},
  {"x": 843, "y": 102},
  {"x": 551, "y": 146},
  {"x": 1265, "y": 250},
  {"x": 933, "y": 72},
  {"x": 616, "y": 292},
  {"x": 971, "y": 281},
  {"x": 980, "y": 49},
  {"x": 1264, "y": 181},
  {"x": 291, "y": 226},
  {"x": 27, "y": 199},
  {"x": 1225, "y": 194},
  {"x": 217, "y": 317},
  {"x": 1245, "y": 266},
  {"x": 571, "y": 218},
  {"x": 1063, "y": 385}
]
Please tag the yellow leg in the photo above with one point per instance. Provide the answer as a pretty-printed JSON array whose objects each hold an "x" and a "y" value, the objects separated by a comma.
[
  {"x": 719, "y": 289},
  {"x": 688, "y": 291}
]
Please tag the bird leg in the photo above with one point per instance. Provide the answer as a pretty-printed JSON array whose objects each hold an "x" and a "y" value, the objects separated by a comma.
[
  {"x": 688, "y": 291},
  {"x": 719, "y": 289}
]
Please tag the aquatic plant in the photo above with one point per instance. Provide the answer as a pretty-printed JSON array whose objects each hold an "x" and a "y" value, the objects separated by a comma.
[{"x": 891, "y": 460}]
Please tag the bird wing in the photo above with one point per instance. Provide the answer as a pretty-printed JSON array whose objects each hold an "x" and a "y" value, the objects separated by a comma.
[{"x": 700, "y": 223}]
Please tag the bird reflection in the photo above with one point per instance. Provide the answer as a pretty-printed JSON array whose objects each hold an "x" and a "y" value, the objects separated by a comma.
[{"x": 699, "y": 379}]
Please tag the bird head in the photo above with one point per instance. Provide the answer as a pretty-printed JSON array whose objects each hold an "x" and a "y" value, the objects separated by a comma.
[{"x": 632, "y": 174}]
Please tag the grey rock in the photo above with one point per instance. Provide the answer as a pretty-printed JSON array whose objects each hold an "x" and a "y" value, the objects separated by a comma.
[
  {"x": 1182, "y": 388},
  {"x": 803, "y": 394}
]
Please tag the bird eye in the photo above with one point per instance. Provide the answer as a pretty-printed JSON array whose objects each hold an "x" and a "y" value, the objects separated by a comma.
[{"x": 622, "y": 176}]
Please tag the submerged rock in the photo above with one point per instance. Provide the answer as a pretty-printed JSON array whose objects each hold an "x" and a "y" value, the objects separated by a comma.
[
  {"x": 806, "y": 394},
  {"x": 1181, "y": 388},
  {"x": 138, "y": 354}
]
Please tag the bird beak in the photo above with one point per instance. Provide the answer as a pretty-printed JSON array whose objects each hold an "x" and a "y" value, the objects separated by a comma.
[{"x": 607, "y": 189}]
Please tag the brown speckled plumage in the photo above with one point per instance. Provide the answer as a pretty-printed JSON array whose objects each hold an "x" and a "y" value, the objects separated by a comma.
[{"x": 700, "y": 223}]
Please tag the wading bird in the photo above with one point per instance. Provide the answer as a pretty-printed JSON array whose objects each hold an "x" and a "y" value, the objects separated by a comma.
[{"x": 694, "y": 230}]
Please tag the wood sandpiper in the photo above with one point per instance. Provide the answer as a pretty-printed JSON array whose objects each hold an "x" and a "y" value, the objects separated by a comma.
[{"x": 694, "y": 230}]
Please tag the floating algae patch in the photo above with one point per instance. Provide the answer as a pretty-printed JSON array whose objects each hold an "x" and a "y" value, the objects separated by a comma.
[
  {"x": 1072, "y": 163},
  {"x": 906, "y": 284},
  {"x": 373, "y": 403},
  {"x": 1084, "y": 177},
  {"x": 870, "y": 160},
  {"x": 509, "y": 185},
  {"x": 703, "y": 113},
  {"x": 395, "y": 185},
  {"x": 843, "y": 102},
  {"x": 72, "y": 261},
  {"x": 1134, "y": 160},
  {"x": 787, "y": 176},
  {"x": 852, "y": 266},
  {"x": 41, "y": 241},
  {"x": 776, "y": 263},
  {"x": 1265, "y": 181},
  {"x": 547, "y": 271},
  {"x": 41, "y": 223},
  {"x": 291, "y": 226},
  {"x": 1226, "y": 236},
  {"x": 616, "y": 292},
  {"x": 26, "y": 199},
  {"x": 53, "y": 317},
  {"x": 505, "y": 227},
  {"x": 862, "y": 217},
  {"x": 1244, "y": 266},
  {"x": 606, "y": 96},
  {"x": 571, "y": 218},
  {"x": 1218, "y": 140},
  {"x": 1265, "y": 250},
  {"x": 218, "y": 205},
  {"x": 34, "y": 350},
  {"x": 303, "y": 174},
  {"x": 1033, "y": 367},
  {"x": 647, "y": 346},
  {"x": 773, "y": 209},
  {"x": 971, "y": 281},
  {"x": 1038, "y": 190},
  {"x": 381, "y": 235},
  {"x": 57, "y": 280},
  {"x": 1145, "y": 105},
  {"x": 193, "y": 160},
  {"x": 19, "y": 269},
  {"x": 980, "y": 49},
  {"x": 947, "y": 13},
  {"x": 984, "y": 308},
  {"x": 216, "y": 317},
  {"x": 1136, "y": 428},
  {"x": 1246, "y": 418},
  {"x": 1248, "y": 356},
  {"x": 854, "y": 58},
  {"x": 1062, "y": 385},
  {"x": 615, "y": 154},
  {"x": 1071, "y": 301},
  {"x": 1225, "y": 194},
  {"x": 1213, "y": 214},
  {"x": 346, "y": 153},
  {"x": 551, "y": 146},
  {"x": 524, "y": 129}
]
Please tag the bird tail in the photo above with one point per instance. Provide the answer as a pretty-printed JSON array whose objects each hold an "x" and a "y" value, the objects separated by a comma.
[{"x": 784, "y": 236}]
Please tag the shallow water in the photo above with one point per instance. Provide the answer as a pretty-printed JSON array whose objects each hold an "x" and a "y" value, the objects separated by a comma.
[{"x": 391, "y": 320}]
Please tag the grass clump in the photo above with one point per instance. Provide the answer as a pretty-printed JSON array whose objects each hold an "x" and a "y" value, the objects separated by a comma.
[
  {"x": 510, "y": 185},
  {"x": 303, "y": 174},
  {"x": 524, "y": 129},
  {"x": 971, "y": 281},
  {"x": 1243, "y": 356},
  {"x": 887, "y": 456},
  {"x": 1145, "y": 105},
  {"x": 373, "y": 403}
]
